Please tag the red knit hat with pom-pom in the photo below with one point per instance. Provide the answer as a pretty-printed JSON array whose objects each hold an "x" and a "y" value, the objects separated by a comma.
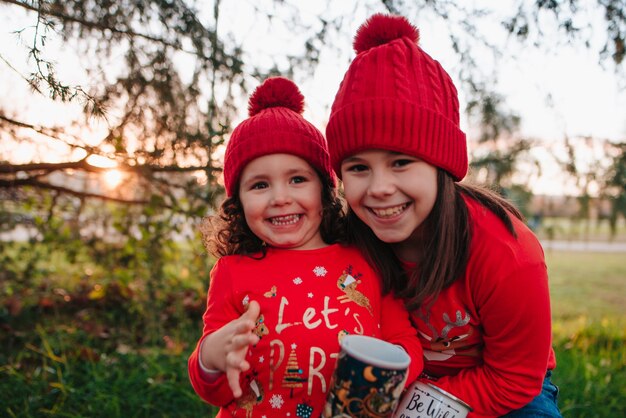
[
  {"x": 275, "y": 126},
  {"x": 396, "y": 97}
]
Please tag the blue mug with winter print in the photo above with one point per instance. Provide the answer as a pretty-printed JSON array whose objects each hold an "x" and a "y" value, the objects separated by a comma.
[{"x": 369, "y": 377}]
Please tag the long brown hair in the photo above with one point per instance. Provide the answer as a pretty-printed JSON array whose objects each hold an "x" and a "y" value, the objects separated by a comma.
[
  {"x": 228, "y": 233},
  {"x": 444, "y": 253}
]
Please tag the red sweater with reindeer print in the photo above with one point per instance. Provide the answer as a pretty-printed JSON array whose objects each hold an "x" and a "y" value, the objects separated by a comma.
[
  {"x": 309, "y": 299},
  {"x": 487, "y": 337}
]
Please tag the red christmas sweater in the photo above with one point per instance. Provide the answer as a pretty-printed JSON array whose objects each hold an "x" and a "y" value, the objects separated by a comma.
[
  {"x": 309, "y": 300},
  {"x": 487, "y": 338}
]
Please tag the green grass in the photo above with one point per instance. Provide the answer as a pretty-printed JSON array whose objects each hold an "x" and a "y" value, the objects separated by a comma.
[
  {"x": 591, "y": 373},
  {"x": 587, "y": 287},
  {"x": 62, "y": 372},
  {"x": 588, "y": 296},
  {"x": 95, "y": 359},
  {"x": 130, "y": 385}
]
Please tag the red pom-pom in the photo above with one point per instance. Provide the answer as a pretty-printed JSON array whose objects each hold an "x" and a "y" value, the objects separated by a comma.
[
  {"x": 380, "y": 29},
  {"x": 276, "y": 92}
]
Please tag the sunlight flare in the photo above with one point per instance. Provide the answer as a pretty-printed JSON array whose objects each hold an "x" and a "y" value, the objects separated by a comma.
[{"x": 112, "y": 178}]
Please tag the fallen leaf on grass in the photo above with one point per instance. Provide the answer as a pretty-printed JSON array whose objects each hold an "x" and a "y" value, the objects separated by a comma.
[{"x": 172, "y": 346}]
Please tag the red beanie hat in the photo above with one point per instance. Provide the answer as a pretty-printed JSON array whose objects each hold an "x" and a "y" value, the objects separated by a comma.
[
  {"x": 275, "y": 126},
  {"x": 395, "y": 97}
]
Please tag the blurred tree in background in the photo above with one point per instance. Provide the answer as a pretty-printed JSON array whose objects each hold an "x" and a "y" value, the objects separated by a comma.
[
  {"x": 155, "y": 121},
  {"x": 614, "y": 187}
]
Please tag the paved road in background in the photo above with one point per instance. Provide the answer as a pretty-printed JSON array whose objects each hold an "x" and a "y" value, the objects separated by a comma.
[{"x": 601, "y": 247}]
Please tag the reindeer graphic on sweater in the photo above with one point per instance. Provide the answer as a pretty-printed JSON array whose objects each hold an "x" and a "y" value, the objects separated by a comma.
[
  {"x": 347, "y": 282},
  {"x": 252, "y": 396},
  {"x": 441, "y": 345}
]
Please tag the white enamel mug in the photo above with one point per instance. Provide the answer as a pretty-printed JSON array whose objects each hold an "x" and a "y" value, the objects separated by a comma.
[{"x": 425, "y": 400}]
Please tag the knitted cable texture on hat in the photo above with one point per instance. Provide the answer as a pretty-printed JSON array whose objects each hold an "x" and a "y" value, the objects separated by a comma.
[
  {"x": 275, "y": 126},
  {"x": 395, "y": 97}
]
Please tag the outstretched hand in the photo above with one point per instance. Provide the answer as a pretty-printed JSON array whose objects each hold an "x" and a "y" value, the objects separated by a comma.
[{"x": 226, "y": 348}]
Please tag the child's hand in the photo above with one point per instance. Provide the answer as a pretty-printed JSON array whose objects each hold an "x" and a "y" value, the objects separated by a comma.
[{"x": 226, "y": 348}]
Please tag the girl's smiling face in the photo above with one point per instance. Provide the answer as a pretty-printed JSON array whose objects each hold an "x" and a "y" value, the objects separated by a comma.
[
  {"x": 390, "y": 192},
  {"x": 281, "y": 195}
]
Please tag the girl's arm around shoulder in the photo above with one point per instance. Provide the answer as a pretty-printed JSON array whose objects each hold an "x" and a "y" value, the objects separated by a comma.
[{"x": 396, "y": 328}]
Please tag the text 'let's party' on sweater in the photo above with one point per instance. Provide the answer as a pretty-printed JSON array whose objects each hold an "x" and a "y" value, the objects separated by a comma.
[{"x": 309, "y": 300}]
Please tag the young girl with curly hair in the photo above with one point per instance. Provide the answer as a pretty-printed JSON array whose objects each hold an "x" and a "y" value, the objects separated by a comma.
[{"x": 284, "y": 290}]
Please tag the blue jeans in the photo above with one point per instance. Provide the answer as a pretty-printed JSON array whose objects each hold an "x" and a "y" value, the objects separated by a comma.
[{"x": 543, "y": 406}]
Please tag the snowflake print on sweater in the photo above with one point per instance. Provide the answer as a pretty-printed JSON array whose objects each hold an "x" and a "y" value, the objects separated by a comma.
[
  {"x": 320, "y": 271},
  {"x": 276, "y": 401}
]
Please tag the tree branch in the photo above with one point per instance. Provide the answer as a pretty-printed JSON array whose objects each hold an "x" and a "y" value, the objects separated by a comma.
[
  {"x": 49, "y": 167},
  {"x": 85, "y": 166},
  {"x": 49, "y": 132},
  {"x": 179, "y": 169},
  {"x": 7, "y": 184},
  {"x": 98, "y": 26}
]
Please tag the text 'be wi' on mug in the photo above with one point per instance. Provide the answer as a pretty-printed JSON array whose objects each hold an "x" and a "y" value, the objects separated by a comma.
[
  {"x": 368, "y": 380},
  {"x": 425, "y": 400}
]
